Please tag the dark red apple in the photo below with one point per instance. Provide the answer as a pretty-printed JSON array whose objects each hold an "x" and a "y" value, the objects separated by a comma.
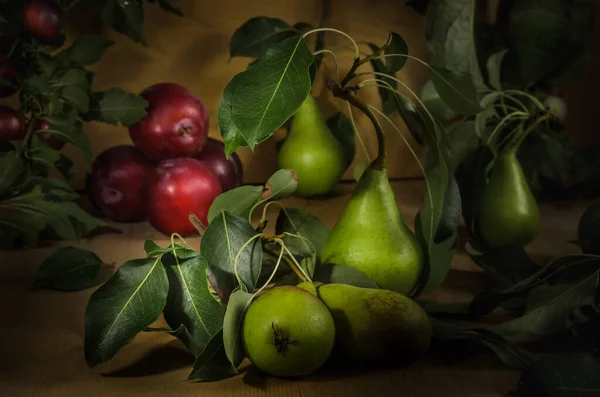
[
  {"x": 7, "y": 72},
  {"x": 175, "y": 189},
  {"x": 115, "y": 183},
  {"x": 40, "y": 128},
  {"x": 12, "y": 127},
  {"x": 43, "y": 19},
  {"x": 176, "y": 124},
  {"x": 228, "y": 170}
]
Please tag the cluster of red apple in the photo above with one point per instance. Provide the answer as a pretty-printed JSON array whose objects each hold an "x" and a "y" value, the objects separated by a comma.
[
  {"x": 173, "y": 170},
  {"x": 43, "y": 21}
]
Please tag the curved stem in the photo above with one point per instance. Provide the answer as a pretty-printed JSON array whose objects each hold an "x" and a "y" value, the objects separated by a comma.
[
  {"x": 356, "y": 50},
  {"x": 306, "y": 276},
  {"x": 326, "y": 51},
  {"x": 186, "y": 245},
  {"x": 502, "y": 122},
  {"x": 527, "y": 95},
  {"x": 271, "y": 276},
  {"x": 287, "y": 261},
  {"x": 519, "y": 140},
  {"x": 346, "y": 94},
  {"x": 362, "y": 144},
  {"x": 320, "y": 42}
]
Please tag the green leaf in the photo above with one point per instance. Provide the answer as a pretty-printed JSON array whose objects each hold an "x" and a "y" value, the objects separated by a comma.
[
  {"x": 449, "y": 33},
  {"x": 414, "y": 118},
  {"x": 282, "y": 183},
  {"x": 88, "y": 49},
  {"x": 239, "y": 301},
  {"x": 457, "y": 91},
  {"x": 69, "y": 269},
  {"x": 259, "y": 100},
  {"x": 438, "y": 258},
  {"x": 66, "y": 167},
  {"x": 73, "y": 77},
  {"x": 342, "y": 130},
  {"x": 434, "y": 103},
  {"x": 342, "y": 274},
  {"x": 550, "y": 315},
  {"x": 565, "y": 374},
  {"x": 27, "y": 225},
  {"x": 168, "y": 6},
  {"x": 305, "y": 225},
  {"x": 494, "y": 69},
  {"x": 69, "y": 129},
  {"x": 116, "y": 106},
  {"x": 463, "y": 140},
  {"x": 257, "y": 35},
  {"x": 48, "y": 63},
  {"x": 131, "y": 299},
  {"x": 126, "y": 17},
  {"x": 182, "y": 334},
  {"x": 76, "y": 97},
  {"x": 11, "y": 168},
  {"x": 387, "y": 97},
  {"x": 359, "y": 170},
  {"x": 212, "y": 364},
  {"x": 541, "y": 38},
  {"x": 222, "y": 241},
  {"x": 397, "y": 46},
  {"x": 238, "y": 201},
  {"x": 153, "y": 250},
  {"x": 189, "y": 301},
  {"x": 37, "y": 84},
  {"x": 44, "y": 155}
]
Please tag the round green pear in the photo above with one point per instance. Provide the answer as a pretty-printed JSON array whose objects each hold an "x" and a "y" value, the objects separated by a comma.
[
  {"x": 372, "y": 237},
  {"x": 288, "y": 332},
  {"x": 312, "y": 151},
  {"x": 375, "y": 325},
  {"x": 507, "y": 213}
]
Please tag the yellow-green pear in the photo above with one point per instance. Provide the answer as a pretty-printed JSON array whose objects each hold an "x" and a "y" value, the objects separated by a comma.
[
  {"x": 372, "y": 237},
  {"x": 376, "y": 325},
  {"x": 507, "y": 213},
  {"x": 312, "y": 151}
]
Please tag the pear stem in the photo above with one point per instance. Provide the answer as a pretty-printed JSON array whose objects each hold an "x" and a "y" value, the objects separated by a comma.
[
  {"x": 288, "y": 262},
  {"x": 516, "y": 143},
  {"x": 347, "y": 94}
]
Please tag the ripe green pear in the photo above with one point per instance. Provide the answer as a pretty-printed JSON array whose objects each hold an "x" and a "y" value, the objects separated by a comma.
[
  {"x": 507, "y": 213},
  {"x": 312, "y": 151},
  {"x": 372, "y": 237},
  {"x": 375, "y": 325}
]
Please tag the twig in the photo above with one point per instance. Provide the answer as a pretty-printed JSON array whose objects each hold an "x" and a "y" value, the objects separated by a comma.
[
  {"x": 347, "y": 93},
  {"x": 359, "y": 62},
  {"x": 320, "y": 42}
]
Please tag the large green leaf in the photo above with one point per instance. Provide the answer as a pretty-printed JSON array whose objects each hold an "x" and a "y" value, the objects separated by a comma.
[
  {"x": 11, "y": 168},
  {"x": 190, "y": 302},
  {"x": 259, "y": 100},
  {"x": 222, "y": 243},
  {"x": 131, "y": 299},
  {"x": 449, "y": 32},
  {"x": 282, "y": 183},
  {"x": 396, "y": 46},
  {"x": 232, "y": 326},
  {"x": 68, "y": 269},
  {"x": 564, "y": 374},
  {"x": 312, "y": 231},
  {"x": 88, "y": 49},
  {"x": 116, "y": 106},
  {"x": 457, "y": 91},
  {"x": 212, "y": 364},
  {"x": 126, "y": 17},
  {"x": 257, "y": 35},
  {"x": 434, "y": 103},
  {"x": 238, "y": 201},
  {"x": 549, "y": 307}
]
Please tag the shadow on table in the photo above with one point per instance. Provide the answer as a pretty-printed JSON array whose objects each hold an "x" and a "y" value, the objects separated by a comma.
[{"x": 161, "y": 359}]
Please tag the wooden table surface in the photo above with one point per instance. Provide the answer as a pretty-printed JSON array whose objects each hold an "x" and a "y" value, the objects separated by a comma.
[{"x": 42, "y": 332}]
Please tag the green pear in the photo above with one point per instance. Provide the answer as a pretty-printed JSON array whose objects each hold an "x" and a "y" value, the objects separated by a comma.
[
  {"x": 507, "y": 212},
  {"x": 312, "y": 151},
  {"x": 372, "y": 237},
  {"x": 375, "y": 325}
]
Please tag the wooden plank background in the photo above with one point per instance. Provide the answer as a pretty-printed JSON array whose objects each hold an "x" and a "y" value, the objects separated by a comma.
[{"x": 194, "y": 51}]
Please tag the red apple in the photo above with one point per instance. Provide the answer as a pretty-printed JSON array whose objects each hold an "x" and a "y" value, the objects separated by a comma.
[
  {"x": 12, "y": 127},
  {"x": 115, "y": 183},
  {"x": 7, "y": 72},
  {"x": 55, "y": 142},
  {"x": 228, "y": 170},
  {"x": 175, "y": 189},
  {"x": 176, "y": 124},
  {"x": 43, "y": 19}
]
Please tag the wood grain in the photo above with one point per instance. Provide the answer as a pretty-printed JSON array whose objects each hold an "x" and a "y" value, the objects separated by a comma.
[{"x": 42, "y": 332}]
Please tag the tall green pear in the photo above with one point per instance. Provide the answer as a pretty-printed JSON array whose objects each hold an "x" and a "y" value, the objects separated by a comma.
[
  {"x": 376, "y": 325},
  {"x": 372, "y": 237},
  {"x": 312, "y": 151},
  {"x": 507, "y": 212}
]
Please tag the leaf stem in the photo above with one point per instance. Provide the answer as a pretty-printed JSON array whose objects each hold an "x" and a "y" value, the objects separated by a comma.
[
  {"x": 335, "y": 31},
  {"x": 326, "y": 51},
  {"x": 502, "y": 122},
  {"x": 272, "y": 274},
  {"x": 348, "y": 95},
  {"x": 358, "y": 62},
  {"x": 362, "y": 144},
  {"x": 519, "y": 139},
  {"x": 320, "y": 42},
  {"x": 287, "y": 261},
  {"x": 306, "y": 276}
]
